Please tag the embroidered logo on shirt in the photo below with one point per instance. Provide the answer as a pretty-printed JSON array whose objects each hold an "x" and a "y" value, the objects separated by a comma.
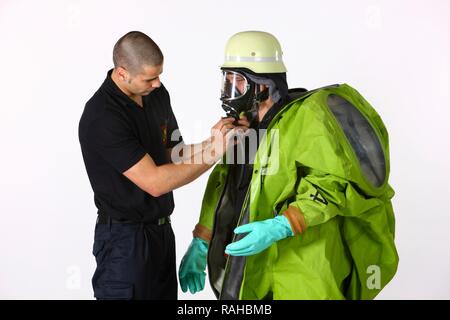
[{"x": 163, "y": 128}]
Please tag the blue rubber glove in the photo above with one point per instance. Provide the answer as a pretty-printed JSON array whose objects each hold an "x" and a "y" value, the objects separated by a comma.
[
  {"x": 192, "y": 268},
  {"x": 261, "y": 235}
]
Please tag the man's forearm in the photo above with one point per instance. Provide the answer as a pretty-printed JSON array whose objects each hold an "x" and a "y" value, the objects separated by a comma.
[
  {"x": 172, "y": 176},
  {"x": 158, "y": 180},
  {"x": 189, "y": 153}
]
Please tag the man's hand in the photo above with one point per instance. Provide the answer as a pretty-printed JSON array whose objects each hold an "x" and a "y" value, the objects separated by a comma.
[
  {"x": 243, "y": 123},
  {"x": 224, "y": 134},
  {"x": 222, "y": 126},
  {"x": 261, "y": 235},
  {"x": 192, "y": 268}
]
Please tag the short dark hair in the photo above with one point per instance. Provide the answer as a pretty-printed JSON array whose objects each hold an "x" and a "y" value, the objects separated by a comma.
[{"x": 134, "y": 50}]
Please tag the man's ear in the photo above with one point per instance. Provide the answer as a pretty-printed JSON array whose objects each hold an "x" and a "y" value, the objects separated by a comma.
[{"x": 123, "y": 74}]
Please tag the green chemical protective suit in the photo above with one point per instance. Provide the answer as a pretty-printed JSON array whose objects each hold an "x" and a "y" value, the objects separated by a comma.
[{"x": 324, "y": 164}]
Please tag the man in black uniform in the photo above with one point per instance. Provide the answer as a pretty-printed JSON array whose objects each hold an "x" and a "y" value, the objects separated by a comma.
[{"x": 125, "y": 135}]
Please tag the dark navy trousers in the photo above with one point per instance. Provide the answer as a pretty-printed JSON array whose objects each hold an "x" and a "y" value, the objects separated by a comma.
[{"x": 134, "y": 261}]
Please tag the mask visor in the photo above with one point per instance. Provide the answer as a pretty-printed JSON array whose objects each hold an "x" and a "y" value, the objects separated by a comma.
[{"x": 234, "y": 85}]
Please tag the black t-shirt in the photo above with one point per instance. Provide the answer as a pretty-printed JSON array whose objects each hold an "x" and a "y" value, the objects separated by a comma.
[{"x": 115, "y": 133}]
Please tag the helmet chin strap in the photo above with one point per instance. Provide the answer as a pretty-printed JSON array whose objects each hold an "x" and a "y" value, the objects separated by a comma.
[{"x": 260, "y": 96}]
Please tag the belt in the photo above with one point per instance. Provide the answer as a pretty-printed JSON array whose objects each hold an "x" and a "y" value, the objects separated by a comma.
[{"x": 104, "y": 219}]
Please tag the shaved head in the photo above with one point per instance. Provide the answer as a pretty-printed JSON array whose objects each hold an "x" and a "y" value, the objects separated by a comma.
[{"x": 134, "y": 51}]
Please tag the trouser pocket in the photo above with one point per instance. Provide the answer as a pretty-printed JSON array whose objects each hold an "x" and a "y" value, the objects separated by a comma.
[{"x": 113, "y": 291}]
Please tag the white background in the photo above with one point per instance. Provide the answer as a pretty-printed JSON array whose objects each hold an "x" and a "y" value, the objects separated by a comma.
[{"x": 55, "y": 54}]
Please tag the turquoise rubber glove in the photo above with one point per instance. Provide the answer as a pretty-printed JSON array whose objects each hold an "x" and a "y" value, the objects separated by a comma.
[
  {"x": 261, "y": 235},
  {"x": 192, "y": 268}
]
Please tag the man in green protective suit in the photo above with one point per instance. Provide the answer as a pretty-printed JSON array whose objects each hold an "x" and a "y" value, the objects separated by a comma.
[{"x": 306, "y": 214}]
